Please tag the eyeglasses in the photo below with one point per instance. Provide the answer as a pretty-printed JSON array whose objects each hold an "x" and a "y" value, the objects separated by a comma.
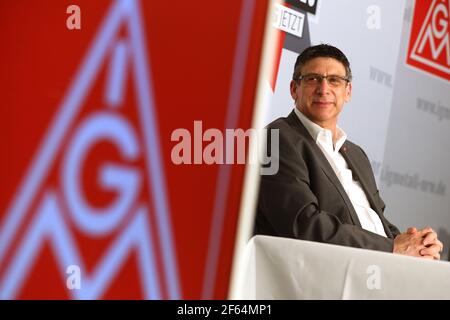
[{"x": 314, "y": 79}]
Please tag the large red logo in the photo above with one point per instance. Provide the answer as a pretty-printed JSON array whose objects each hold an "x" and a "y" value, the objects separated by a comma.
[
  {"x": 91, "y": 204},
  {"x": 67, "y": 171},
  {"x": 429, "y": 44}
]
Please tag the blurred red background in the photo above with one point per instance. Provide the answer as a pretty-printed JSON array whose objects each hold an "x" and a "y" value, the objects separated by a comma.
[{"x": 191, "y": 48}]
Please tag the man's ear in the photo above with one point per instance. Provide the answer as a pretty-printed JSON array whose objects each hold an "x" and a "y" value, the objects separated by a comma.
[
  {"x": 294, "y": 90},
  {"x": 348, "y": 92}
]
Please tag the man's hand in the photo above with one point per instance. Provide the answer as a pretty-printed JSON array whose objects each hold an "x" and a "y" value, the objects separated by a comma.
[
  {"x": 433, "y": 247},
  {"x": 419, "y": 243},
  {"x": 409, "y": 243}
]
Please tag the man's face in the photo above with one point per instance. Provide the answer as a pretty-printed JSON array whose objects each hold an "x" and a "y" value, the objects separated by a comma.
[{"x": 321, "y": 102}]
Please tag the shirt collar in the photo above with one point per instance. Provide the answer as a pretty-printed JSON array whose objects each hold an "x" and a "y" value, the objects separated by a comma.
[{"x": 322, "y": 134}]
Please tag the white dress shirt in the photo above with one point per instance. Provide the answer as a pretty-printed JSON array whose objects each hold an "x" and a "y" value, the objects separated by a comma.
[{"x": 368, "y": 218}]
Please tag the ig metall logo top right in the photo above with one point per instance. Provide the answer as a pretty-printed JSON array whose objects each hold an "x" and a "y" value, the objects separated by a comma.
[{"x": 429, "y": 42}]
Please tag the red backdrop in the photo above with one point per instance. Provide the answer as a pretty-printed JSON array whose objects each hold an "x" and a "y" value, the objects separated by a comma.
[{"x": 192, "y": 48}]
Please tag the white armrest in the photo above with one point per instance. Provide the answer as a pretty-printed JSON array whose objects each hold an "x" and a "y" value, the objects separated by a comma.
[{"x": 282, "y": 268}]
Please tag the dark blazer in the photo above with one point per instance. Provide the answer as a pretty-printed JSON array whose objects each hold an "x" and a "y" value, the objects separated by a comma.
[{"x": 305, "y": 199}]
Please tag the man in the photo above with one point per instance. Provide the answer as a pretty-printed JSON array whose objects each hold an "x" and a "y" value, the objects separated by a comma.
[{"x": 325, "y": 189}]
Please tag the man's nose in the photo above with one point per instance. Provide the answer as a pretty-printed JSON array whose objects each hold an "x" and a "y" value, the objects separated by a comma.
[{"x": 323, "y": 87}]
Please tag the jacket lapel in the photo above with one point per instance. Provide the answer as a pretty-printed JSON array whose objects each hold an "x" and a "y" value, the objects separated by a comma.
[
  {"x": 326, "y": 167},
  {"x": 358, "y": 176}
]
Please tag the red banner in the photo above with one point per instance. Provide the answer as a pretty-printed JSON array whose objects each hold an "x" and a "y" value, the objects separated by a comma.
[{"x": 92, "y": 205}]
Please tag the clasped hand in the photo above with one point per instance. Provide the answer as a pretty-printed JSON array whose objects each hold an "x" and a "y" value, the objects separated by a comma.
[{"x": 419, "y": 243}]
